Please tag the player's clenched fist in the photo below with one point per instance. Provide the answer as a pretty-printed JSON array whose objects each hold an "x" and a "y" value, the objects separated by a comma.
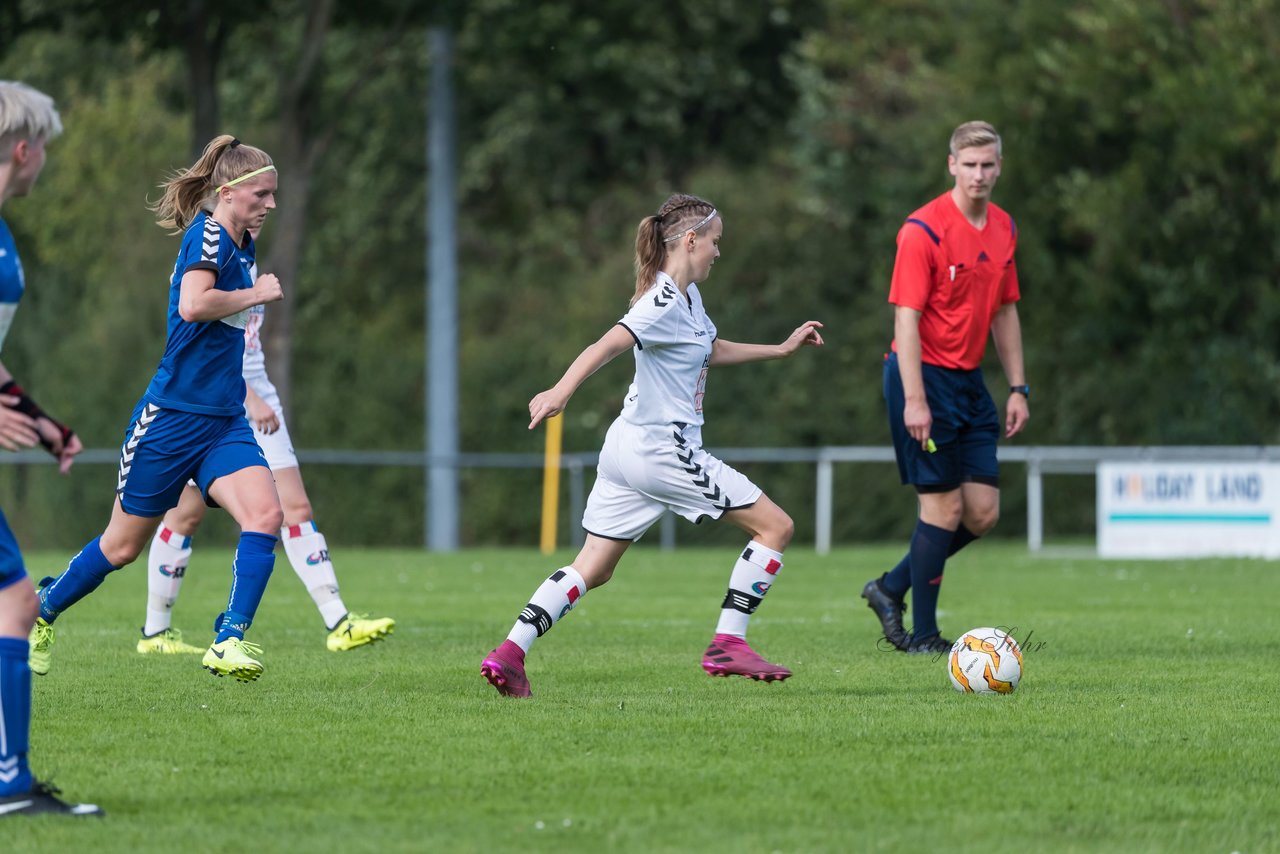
[{"x": 268, "y": 287}]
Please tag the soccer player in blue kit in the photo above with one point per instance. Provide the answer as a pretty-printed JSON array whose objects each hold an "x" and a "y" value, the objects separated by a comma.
[
  {"x": 304, "y": 545},
  {"x": 190, "y": 422},
  {"x": 28, "y": 120}
]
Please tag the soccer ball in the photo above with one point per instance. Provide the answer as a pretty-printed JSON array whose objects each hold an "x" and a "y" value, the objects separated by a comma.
[{"x": 985, "y": 661}]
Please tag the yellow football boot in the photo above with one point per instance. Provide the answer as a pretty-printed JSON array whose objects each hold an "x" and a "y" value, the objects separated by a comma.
[{"x": 357, "y": 630}]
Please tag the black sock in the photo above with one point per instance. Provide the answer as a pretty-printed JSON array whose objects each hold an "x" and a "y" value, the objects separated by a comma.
[
  {"x": 961, "y": 538},
  {"x": 929, "y": 548},
  {"x": 897, "y": 581}
]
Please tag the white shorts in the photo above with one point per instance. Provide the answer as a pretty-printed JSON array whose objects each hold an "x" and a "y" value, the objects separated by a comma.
[
  {"x": 645, "y": 471},
  {"x": 277, "y": 446}
]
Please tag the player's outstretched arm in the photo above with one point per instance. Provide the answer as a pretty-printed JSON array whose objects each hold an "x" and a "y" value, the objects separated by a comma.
[
  {"x": 734, "y": 353},
  {"x": 553, "y": 401}
]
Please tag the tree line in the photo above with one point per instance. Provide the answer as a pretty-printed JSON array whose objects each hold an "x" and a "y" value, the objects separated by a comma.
[{"x": 1141, "y": 165}]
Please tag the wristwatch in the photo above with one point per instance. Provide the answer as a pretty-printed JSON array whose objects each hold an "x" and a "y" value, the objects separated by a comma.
[{"x": 1024, "y": 390}]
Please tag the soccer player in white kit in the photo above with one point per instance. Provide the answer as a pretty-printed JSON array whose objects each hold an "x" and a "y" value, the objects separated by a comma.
[
  {"x": 653, "y": 460},
  {"x": 305, "y": 546}
]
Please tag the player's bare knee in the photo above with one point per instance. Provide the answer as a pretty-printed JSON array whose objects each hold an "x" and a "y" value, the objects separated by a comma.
[
  {"x": 782, "y": 529},
  {"x": 264, "y": 520},
  {"x": 29, "y": 609},
  {"x": 942, "y": 514},
  {"x": 185, "y": 520},
  {"x": 297, "y": 512},
  {"x": 121, "y": 552},
  {"x": 595, "y": 576},
  {"x": 274, "y": 519},
  {"x": 981, "y": 521},
  {"x": 21, "y": 607}
]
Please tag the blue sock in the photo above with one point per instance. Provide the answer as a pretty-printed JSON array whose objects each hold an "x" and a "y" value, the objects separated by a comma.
[
  {"x": 929, "y": 548},
  {"x": 897, "y": 581},
  {"x": 82, "y": 576},
  {"x": 255, "y": 558},
  {"x": 15, "y": 716}
]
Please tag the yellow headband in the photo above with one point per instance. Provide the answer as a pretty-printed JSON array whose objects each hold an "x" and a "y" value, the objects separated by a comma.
[{"x": 245, "y": 177}]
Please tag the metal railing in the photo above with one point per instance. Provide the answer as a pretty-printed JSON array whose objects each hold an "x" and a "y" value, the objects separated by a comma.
[{"x": 1038, "y": 459}]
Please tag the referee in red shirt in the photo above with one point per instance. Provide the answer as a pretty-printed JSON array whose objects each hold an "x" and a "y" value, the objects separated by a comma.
[{"x": 954, "y": 283}]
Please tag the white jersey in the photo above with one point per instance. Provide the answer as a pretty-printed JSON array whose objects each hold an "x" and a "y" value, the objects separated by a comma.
[
  {"x": 673, "y": 338},
  {"x": 255, "y": 362}
]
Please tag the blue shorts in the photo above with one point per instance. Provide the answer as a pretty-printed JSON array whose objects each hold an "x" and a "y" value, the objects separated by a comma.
[
  {"x": 966, "y": 429},
  {"x": 12, "y": 569},
  {"x": 164, "y": 448}
]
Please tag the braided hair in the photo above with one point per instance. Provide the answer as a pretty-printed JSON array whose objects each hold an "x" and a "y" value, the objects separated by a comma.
[{"x": 679, "y": 214}]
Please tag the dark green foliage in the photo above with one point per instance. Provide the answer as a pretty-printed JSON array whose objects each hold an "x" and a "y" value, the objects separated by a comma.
[{"x": 1141, "y": 167}]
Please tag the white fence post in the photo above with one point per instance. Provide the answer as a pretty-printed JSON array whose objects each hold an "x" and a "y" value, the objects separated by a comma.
[
  {"x": 822, "y": 507},
  {"x": 1035, "y": 505},
  {"x": 667, "y": 531}
]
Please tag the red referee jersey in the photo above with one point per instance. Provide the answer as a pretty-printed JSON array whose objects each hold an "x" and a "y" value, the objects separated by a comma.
[{"x": 957, "y": 277}]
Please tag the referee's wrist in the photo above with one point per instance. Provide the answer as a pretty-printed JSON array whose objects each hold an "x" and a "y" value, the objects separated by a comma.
[{"x": 1023, "y": 389}]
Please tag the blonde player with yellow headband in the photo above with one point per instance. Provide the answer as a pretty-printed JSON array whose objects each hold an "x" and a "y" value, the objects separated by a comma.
[
  {"x": 304, "y": 544},
  {"x": 190, "y": 424}
]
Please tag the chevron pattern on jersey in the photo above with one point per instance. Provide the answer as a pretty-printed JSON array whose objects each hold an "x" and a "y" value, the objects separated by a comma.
[
  {"x": 663, "y": 298},
  {"x": 209, "y": 241},
  {"x": 149, "y": 413}
]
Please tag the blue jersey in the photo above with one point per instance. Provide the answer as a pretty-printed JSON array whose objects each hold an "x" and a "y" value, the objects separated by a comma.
[
  {"x": 11, "y": 286},
  {"x": 11, "y": 282},
  {"x": 201, "y": 367}
]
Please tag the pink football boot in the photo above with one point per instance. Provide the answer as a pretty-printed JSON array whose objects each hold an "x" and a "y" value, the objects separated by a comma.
[
  {"x": 504, "y": 668},
  {"x": 730, "y": 656}
]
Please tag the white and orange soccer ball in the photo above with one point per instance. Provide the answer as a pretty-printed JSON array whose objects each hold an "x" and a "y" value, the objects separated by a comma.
[{"x": 985, "y": 661}]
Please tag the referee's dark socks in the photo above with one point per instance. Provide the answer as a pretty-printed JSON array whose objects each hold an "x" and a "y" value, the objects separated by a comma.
[
  {"x": 930, "y": 546},
  {"x": 897, "y": 581}
]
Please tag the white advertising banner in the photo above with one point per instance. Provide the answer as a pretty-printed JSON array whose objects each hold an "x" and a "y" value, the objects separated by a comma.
[{"x": 1171, "y": 510}]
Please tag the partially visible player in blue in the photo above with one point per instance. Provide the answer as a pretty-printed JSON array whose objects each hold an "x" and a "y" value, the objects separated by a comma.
[
  {"x": 28, "y": 120},
  {"x": 190, "y": 422}
]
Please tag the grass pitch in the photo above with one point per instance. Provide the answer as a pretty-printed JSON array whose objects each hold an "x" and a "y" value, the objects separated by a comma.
[{"x": 1146, "y": 718}]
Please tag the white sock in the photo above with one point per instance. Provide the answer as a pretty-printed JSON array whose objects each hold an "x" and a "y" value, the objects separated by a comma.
[
  {"x": 309, "y": 556},
  {"x": 166, "y": 567},
  {"x": 551, "y": 601},
  {"x": 752, "y": 577}
]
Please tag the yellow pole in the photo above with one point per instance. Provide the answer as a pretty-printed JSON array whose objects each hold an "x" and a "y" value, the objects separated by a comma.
[{"x": 551, "y": 483}]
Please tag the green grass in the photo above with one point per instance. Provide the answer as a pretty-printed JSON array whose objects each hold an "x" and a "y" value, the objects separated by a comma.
[{"x": 1145, "y": 721}]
